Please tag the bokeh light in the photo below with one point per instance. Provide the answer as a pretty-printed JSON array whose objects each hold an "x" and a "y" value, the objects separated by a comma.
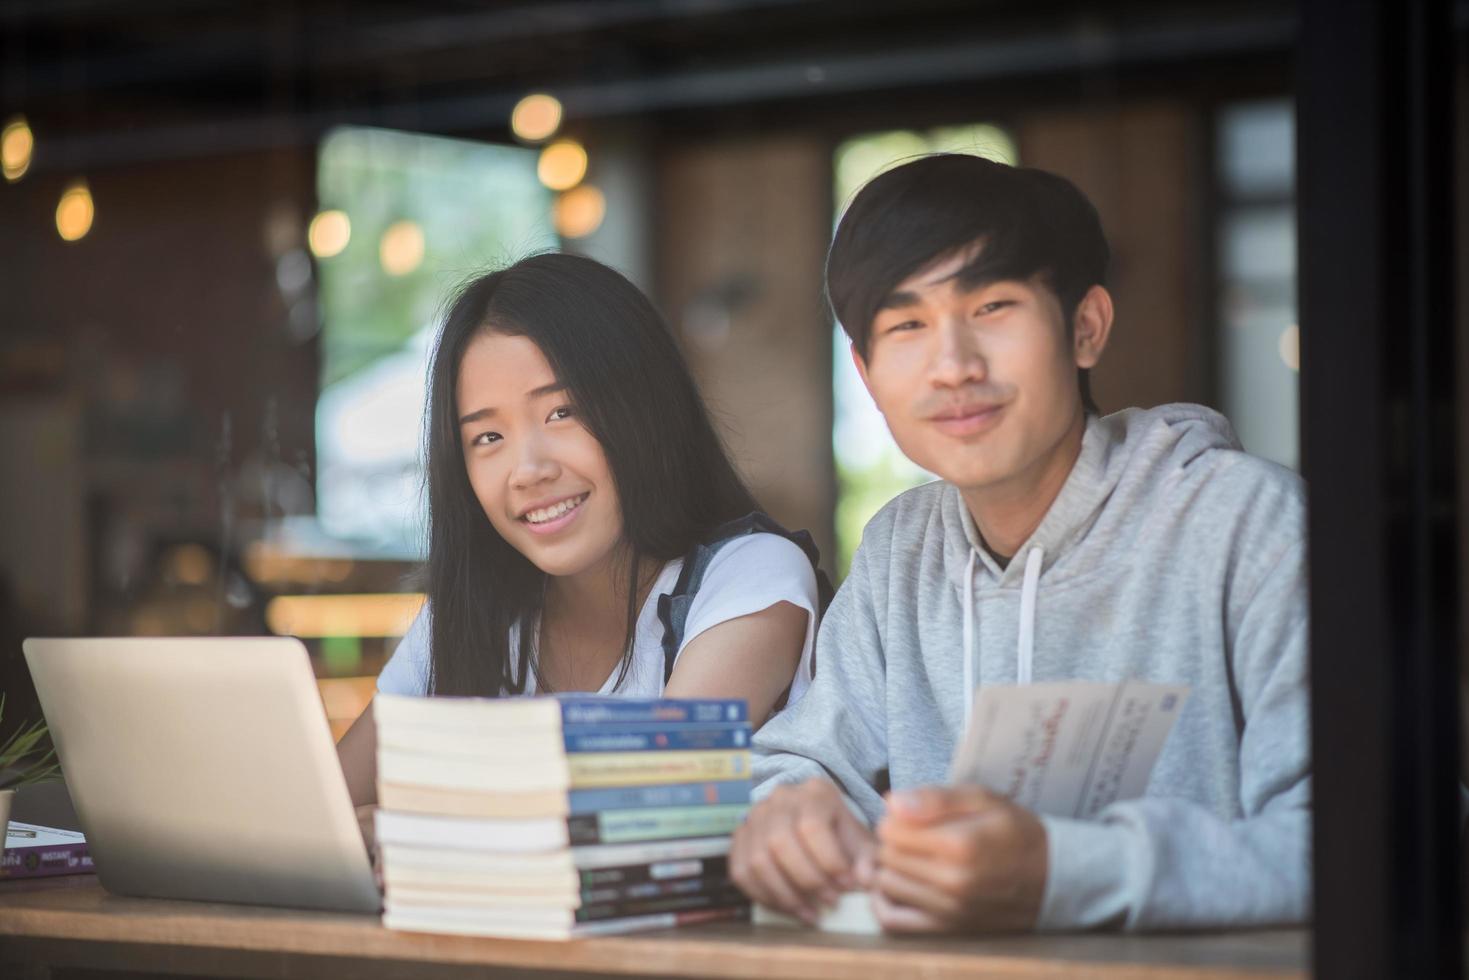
[
  {"x": 579, "y": 211},
  {"x": 329, "y": 233},
  {"x": 17, "y": 143},
  {"x": 1290, "y": 347},
  {"x": 562, "y": 165},
  {"x": 401, "y": 249},
  {"x": 378, "y": 614},
  {"x": 191, "y": 564},
  {"x": 75, "y": 212},
  {"x": 536, "y": 117}
]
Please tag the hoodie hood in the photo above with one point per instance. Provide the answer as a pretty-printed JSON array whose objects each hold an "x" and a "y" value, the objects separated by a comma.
[
  {"x": 1126, "y": 454},
  {"x": 1124, "y": 458}
]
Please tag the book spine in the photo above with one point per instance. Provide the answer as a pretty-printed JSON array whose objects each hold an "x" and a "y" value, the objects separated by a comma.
[
  {"x": 598, "y": 711},
  {"x": 472, "y": 803},
  {"x": 664, "y": 823},
  {"x": 39, "y": 862},
  {"x": 691, "y": 738},
  {"x": 655, "y": 889},
  {"x": 591, "y": 770},
  {"x": 590, "y": 856},
  {"x": 718, "y": 898},
  {"x": 645, "y": 797},
  {"x": 665, "y": 920},
  {"x": 691, "y": 869}
]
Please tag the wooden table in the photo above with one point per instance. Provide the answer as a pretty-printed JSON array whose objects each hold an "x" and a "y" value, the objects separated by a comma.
[{"x": 64, "y": 923}]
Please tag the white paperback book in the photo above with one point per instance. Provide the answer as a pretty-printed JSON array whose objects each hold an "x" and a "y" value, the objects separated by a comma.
[{"x": 1067, "y": 749}]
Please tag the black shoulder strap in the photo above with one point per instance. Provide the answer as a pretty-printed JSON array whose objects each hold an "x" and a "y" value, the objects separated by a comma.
[{"x": 673, "y": 607}]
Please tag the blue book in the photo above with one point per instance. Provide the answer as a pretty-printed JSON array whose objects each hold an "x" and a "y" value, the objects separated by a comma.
[
  {"x": 560, "y": 712},
  {"x": 676, "y": 794},
  {"x": 641, "y": 738},
  {"x": 579, "y": 710}
]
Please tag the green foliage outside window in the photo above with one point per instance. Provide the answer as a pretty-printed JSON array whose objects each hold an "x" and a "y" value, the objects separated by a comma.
[
  {"x": 425, "y": 214},
  {"x": 477, "y": 205}
]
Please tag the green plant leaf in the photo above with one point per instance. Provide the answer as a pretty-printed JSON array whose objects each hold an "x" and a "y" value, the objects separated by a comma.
[
  {"x": 26, "y": 757},
  {"x": 21, "y": 743},
  {"x": 41, "y": 770}
]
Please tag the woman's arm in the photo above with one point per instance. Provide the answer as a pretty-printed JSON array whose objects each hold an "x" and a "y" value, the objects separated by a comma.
[
  {"x": 406, "y": 672},
  {"x": 357, "y": 752},
  {"x": 749, "y": 627},
  {"x": 752, "y": 657}
]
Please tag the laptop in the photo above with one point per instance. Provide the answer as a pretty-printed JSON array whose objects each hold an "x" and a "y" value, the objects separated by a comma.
[{"x": 204, "y": 769}]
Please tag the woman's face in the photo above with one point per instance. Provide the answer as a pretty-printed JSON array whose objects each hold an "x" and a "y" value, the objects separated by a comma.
[{"x": 540, "y": 476}]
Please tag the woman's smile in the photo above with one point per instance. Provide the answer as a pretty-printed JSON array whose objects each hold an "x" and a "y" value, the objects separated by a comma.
[{"x": 553, "y": 517}]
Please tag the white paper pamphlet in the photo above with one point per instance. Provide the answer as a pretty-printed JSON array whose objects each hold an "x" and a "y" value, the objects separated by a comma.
[{"x": 1067, "y": 749}]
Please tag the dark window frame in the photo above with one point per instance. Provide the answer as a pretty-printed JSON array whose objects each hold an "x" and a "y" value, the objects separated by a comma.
[{"x": 1375, "y": 170}]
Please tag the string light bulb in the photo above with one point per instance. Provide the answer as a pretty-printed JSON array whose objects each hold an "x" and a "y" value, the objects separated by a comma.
[
  {"x": 17, "y": 144},
  {"x": 536, "y": 117},
  {"x": 562, "y": 165},
  {"x": 329, "y": 233},
  {"x": 1289, "y": 347},
  {"x": 75, "y": 212},
  {"x": 579, "y": 211},
  {"x": 401, "y": 248}
]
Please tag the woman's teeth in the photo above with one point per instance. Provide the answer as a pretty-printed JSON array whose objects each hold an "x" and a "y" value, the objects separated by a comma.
[{"x": 556, "y": 510}]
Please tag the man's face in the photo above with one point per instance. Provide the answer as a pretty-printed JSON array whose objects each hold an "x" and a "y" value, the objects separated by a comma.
[{"x": 977, "y": 385}]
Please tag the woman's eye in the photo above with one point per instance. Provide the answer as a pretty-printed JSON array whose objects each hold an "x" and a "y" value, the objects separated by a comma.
[
  {"x": 563, "y": 412},
  {"x": 485, "y": 438},
  {"x": 905, "y": 325}
]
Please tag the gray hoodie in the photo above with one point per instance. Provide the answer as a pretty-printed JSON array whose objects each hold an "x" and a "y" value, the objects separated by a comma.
[{"x": 1169, "y": 556}]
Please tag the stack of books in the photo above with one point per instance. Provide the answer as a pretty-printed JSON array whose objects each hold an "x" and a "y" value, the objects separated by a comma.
[
  {"x": 558, "y": 817},
  {"x": 33, "y": 851}
]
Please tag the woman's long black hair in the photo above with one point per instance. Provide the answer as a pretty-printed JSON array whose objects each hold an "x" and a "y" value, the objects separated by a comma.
[{"x": 633, "y": 391}]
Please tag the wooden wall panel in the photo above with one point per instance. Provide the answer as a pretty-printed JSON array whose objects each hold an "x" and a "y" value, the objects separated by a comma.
[
  {"x": 742, "y": 230},
  {"x": 1141, "y": 166}
]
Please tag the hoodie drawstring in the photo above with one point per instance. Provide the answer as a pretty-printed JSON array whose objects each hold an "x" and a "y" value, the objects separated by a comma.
[
  {"x": 1025, "y": 650},
  {"x": 970, "y": 653}
]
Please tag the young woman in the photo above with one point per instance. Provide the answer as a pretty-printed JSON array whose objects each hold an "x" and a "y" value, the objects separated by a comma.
[{"x": 571, "y": 468}]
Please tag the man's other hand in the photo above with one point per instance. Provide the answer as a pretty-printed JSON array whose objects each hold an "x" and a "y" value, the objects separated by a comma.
[{"x": 800, "y": 848}]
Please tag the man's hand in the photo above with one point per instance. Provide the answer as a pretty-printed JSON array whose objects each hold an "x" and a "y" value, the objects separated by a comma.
[
  {"x": 800, "y": 848},
  {"x": 958, "y": 859}
]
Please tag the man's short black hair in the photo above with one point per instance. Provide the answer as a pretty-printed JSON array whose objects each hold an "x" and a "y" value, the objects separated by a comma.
[{"x": 1027, "y": 223}]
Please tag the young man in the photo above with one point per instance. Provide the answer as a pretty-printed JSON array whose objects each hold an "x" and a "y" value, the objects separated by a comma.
[{"x": 1058, "y": 545}]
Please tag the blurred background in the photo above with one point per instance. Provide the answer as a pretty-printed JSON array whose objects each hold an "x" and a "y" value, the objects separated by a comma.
[{"x": 227, "y": 231}]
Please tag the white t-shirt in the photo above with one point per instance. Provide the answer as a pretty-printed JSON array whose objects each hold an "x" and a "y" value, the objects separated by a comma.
[{"x": 745, "y": 575}]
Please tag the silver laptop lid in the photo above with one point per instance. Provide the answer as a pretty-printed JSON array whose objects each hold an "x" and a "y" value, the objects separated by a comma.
[{"x": 204, "y": 768}]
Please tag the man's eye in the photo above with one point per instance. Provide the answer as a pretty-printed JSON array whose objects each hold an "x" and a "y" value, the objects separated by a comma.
[
  {"x": 905, "y": 325},
  {"x": 563, "y": 412},
  {"x": 998, "y": 304},
  {"x": 485, "y": 438}
]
